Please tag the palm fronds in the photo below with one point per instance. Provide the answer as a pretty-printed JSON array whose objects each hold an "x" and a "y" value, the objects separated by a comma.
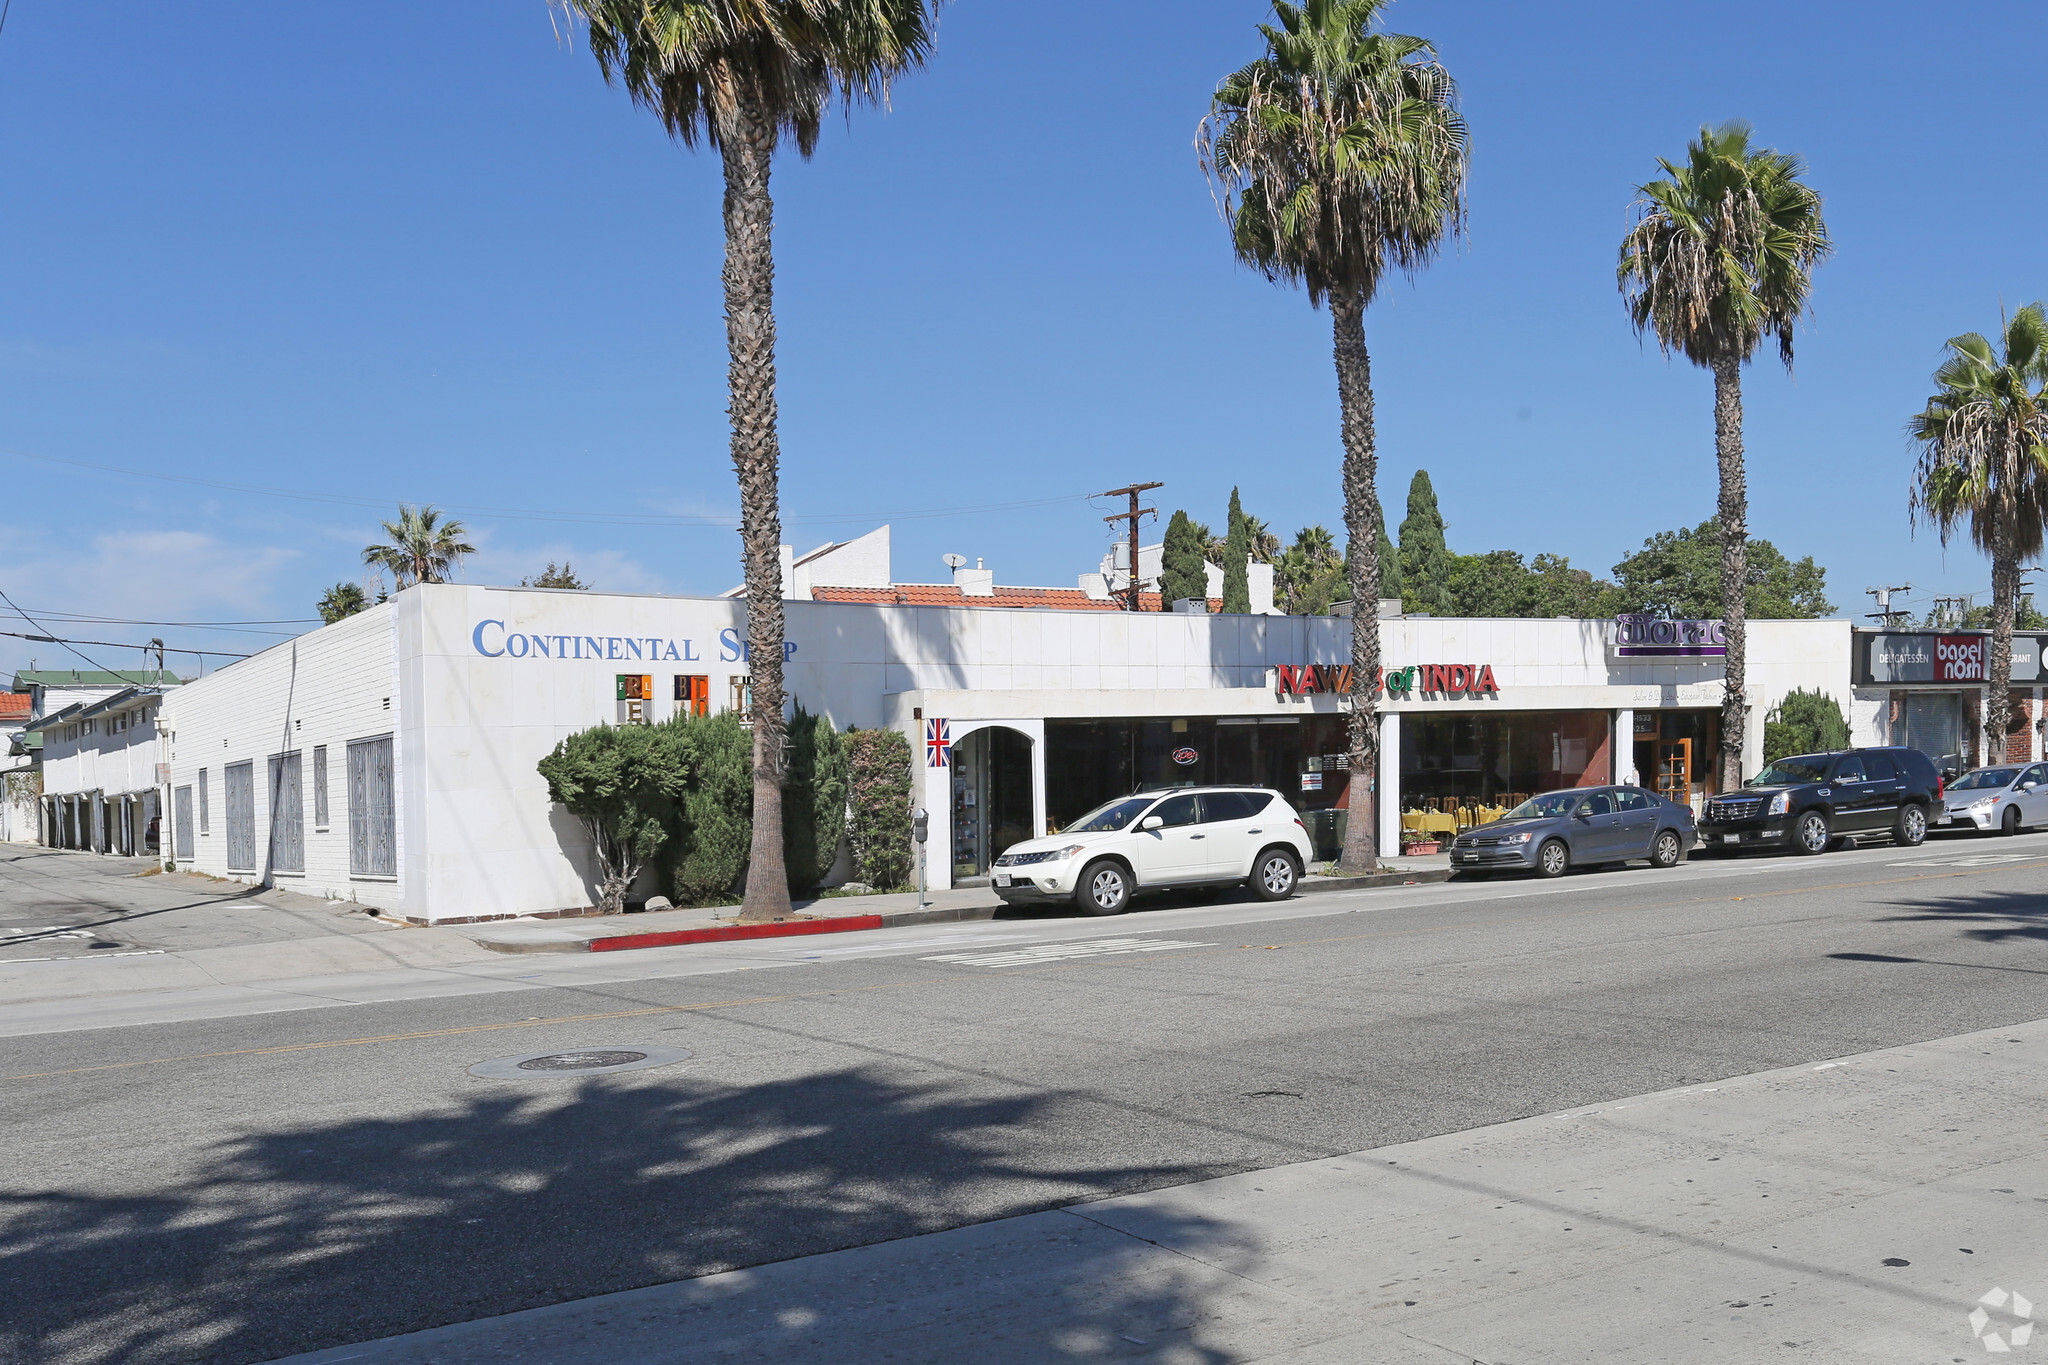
[
  {"x": 420, "y": 547},
  {"x": 1983, "y": 439}
]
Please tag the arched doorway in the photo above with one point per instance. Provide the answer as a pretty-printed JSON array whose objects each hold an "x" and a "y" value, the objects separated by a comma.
[{"x": 992, "y": 806}]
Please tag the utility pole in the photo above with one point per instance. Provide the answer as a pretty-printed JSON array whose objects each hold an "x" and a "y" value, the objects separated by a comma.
[
  {"x": 1884, "y": 614},
  {"x": 157, "y": 644},
  {"x": 1132, "y": 516},
  {"x": 1949, "y": 611}
]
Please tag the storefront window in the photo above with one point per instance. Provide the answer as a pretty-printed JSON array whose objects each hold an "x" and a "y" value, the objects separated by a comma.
[
  {"x": 1500, "y": 759},
  {"x": 991, "y": 797},
  {"x": 1938, "y": 725},
  {"x": 1088, "y": 762},
  {"x": 1677, "y": 753}
]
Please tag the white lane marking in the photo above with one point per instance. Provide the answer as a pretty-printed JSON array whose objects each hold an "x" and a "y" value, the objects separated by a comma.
[
  {"x": 1972, "y": 860},
  {"x": 16, "y": 934},
  {"x": 1057, "y": 952},
  {"x": 88, "y": 957},
  {"x": 909, "y": 943}
]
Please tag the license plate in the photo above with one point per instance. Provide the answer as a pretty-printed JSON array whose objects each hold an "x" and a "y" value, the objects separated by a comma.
[
  {"x": 1002, "y": 879},
  {"x": 1465, "y": 857},
  {"x": 1731, "y": 838}
]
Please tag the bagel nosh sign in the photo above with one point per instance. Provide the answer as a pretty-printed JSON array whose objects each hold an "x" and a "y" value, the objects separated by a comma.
[
  {"x": 1932, "y": 657},
  {"x": 1428, "y": 680}
]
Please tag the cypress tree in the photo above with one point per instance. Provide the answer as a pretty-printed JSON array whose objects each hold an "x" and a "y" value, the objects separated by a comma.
[
  {"x": 1237, "y": 550},
  {"x": 1425, "y": 558},
  {"x": 1182, "y": 566}
]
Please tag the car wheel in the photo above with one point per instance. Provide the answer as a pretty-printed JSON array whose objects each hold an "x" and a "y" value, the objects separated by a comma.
[
  {"x": 1810, "y": 835},
  {"x": 2009, "y": 824},
  {"x": 1105, "y": 888},
  {"x": 1667, "y": 850},
  {"x": 1553, "y": 859},
  {"x": 1912, "y": 827},
  {"x": 1274, "y": 877}
]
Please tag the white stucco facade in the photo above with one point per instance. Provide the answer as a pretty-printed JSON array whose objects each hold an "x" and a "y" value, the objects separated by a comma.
[{"x": 473, "y": 686}]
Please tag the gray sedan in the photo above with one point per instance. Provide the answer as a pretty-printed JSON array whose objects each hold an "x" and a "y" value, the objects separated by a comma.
[{"x": 1583, "y": 826}]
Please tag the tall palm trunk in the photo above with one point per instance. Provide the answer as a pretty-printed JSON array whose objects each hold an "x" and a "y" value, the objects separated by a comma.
[
  {"x": 1362, "y": 524},
  {"x": 1734, "y": 508},
  {"x": 2005, "y": 592},
  {"x": 749, "y": 148}
]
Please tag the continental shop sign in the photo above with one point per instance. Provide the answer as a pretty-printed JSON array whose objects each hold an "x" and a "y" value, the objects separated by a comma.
[{"x": 1931, "y": 657}]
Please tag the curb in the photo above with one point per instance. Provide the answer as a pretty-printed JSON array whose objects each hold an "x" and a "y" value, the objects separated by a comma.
[
  {"x": 1419, "y": 877},
  {"x": 729, "y": 933}
]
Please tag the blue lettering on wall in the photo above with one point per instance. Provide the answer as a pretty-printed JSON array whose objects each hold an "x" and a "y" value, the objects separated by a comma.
[{"x": 493, "y": 641}]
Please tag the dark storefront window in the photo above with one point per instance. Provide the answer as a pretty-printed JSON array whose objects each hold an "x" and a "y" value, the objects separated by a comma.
[
  {"x": 1459, "y": 760},
  {"x": 1088, "y": 762}
]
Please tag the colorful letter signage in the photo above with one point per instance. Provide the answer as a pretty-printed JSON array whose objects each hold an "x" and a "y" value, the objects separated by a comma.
[{"x": 1428, "y": 680}]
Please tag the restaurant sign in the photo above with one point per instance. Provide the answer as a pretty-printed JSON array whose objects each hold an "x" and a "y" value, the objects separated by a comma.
[
  {"x": 1898, "y": 657},
  {"x": 1640, "y": 636},
  {"x": 1427, "y": 680}
]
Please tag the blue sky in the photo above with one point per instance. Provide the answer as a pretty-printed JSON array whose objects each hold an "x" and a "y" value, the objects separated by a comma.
[{"x": 376, "y": 252}]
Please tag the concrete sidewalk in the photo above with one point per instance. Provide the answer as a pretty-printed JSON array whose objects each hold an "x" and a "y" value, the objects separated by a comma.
[
  {"x": 879, "y": 910},
  {"x": 1855, "y": 1211}
]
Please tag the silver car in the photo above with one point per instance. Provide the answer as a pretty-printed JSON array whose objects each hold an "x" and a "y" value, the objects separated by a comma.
[
  {"x": 1581, "y": 826},
  {"x": 2001, "y": 799}
]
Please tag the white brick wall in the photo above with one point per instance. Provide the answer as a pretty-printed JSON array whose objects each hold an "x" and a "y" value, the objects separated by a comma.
[{"x": 328, "y": 687}]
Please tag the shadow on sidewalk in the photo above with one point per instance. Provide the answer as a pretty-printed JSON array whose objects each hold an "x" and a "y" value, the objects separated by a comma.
[{"x": 531, "y": 1193}]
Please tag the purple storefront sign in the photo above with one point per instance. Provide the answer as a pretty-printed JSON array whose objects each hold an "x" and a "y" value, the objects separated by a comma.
[{"x": 1641, "y": 636}]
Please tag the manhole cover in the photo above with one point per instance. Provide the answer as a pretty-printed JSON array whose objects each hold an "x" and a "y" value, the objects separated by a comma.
[{"x": 581, "y": 1061}]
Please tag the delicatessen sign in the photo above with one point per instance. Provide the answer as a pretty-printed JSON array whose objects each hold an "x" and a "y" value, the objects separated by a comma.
[{"x": 1928, "y": 657}]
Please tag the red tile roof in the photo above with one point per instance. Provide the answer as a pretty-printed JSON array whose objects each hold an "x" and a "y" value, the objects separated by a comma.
[
  {"x": 14, "y": 706},
  {"x": 949, "y": 595}
]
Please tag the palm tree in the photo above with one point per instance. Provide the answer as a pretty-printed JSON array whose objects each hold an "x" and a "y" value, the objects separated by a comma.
[
  {"x": 341, "y": 601},
  {"x": 421, "y": 548},
  {"x": 1336, "y": 155},
  {"x": 1720, "y": 256},
  {"x": 744, "y": 76},
  {"x": 1259, "y": 537},
  {"x": 1984, "y": 455}
]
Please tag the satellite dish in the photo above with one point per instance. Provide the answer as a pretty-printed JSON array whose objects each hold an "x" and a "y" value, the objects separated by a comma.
[{"x": 955, "y": 561}]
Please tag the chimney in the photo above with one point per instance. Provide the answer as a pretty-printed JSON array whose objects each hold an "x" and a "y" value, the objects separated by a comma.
[{"x": 975, "y": 582}]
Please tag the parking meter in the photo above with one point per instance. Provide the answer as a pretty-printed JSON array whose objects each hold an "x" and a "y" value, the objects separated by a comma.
[{"x": 920, "y": 826}]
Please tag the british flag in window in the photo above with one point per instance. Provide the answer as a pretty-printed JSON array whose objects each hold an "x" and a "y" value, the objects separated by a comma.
[{"x": 938, "y": 743}]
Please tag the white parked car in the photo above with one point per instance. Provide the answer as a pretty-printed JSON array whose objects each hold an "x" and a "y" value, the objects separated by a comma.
[
  {"x": 1173, "y": 837},
  {"x": 1999, "y": 799}
]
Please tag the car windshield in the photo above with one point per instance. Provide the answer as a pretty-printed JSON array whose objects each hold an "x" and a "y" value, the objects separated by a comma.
[
  {"x": 1545, "y": 806},
  {"x": 1996, "y": 778},
  {"x": 1786, "y": 772},
  {"x": 1112, "y": 817}
]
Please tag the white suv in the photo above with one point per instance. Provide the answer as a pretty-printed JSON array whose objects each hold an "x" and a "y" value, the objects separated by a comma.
[{"x": 1180, "y": 836}]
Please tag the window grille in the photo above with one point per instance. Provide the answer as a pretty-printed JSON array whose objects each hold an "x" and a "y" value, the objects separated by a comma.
[
  {"x": 241, "y": 802},
  {"x": 287, "y": 814},
  {"x": 372, "y": 809},
  {"x": 319, "y": 786}
]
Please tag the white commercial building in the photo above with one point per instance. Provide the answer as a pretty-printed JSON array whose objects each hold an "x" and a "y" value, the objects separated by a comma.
[{"x": 390, "y": 758}]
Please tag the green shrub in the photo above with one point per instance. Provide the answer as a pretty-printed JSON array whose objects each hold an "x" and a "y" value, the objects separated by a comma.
[
  {"x": 878, "y": 775},
  {"x": 1804, "y": 723},
  {"x": 715, "y": 824},
  {"x": 813, "y": 800},
  {"x": 623, "y": 783}
]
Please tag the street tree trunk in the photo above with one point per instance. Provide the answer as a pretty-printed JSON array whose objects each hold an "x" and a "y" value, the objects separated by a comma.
[
  {"x": 1362, "y": 525},
  {"x": 749, "y": 148},
  {"x": 1734, "y": 517},
  {"x": 2005, "y": 591}
]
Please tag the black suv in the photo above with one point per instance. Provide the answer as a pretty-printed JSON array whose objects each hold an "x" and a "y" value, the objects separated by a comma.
[{"x": 1808, "y": 801}]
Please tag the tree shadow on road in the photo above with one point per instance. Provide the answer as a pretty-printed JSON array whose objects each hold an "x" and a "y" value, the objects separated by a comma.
[
  {"x": 524, "y": 1194},
  {"x": 1994, "y": 917}
]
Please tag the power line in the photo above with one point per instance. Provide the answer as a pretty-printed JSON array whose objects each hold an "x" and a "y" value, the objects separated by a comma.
[
  {"x": 54, "y": 640},
  {"x": 118, "y": 644},
  {"x": 531, "y": 514}
]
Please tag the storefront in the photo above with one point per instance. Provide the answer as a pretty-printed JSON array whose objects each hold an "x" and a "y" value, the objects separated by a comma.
[
  {"x": 1926, "y": 690},
  {"x": 397, "y": 749}
]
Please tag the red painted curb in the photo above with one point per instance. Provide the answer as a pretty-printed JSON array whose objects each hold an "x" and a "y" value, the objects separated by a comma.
[{"x": 784, "y": 929}]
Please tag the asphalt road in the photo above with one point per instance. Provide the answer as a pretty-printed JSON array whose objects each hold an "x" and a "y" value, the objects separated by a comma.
[{"x": 241, "y": 1188}]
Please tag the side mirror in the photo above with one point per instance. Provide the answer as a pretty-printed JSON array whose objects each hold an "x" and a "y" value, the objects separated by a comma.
[
  {"x": 2028, "y": 786},
  {"x": 1151, "y": 822},
  {"x": 1582, "y": 814}
]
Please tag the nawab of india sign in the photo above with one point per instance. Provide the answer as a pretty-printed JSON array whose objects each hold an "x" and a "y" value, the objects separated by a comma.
[{"x": 1426, "y": 680}]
